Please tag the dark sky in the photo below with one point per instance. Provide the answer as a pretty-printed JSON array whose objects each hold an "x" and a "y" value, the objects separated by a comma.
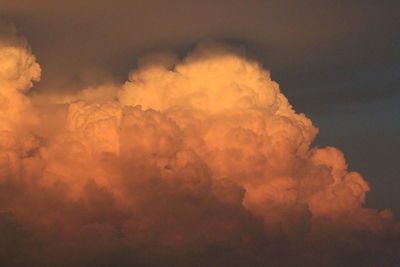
[{"x": 336, "y": 61}]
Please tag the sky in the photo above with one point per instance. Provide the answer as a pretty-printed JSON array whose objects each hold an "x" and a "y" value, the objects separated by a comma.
[{"x": 337, "y": 62}]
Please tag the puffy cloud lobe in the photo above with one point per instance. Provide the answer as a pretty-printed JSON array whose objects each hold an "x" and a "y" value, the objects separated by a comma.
[
  {"x": 200, "y": 84},
  {"x": 18, "y": 68},
  {"x": 199, "y": 161}
]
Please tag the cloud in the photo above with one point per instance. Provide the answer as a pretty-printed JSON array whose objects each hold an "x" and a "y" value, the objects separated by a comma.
[{"x": 199, "y": 161}]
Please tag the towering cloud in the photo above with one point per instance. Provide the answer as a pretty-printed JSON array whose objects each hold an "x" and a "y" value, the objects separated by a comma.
[{"x": 193, "y": 162}]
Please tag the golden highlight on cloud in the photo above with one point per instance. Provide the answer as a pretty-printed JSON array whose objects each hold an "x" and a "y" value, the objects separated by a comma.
[{"x": 193, "y": 162}]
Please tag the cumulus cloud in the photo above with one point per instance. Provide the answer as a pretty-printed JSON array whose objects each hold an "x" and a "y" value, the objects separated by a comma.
[{"x": 193, "y": 162}]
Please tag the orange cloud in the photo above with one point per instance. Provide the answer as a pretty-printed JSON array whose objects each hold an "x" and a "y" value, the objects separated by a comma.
[{"x": 199, "y": 161}]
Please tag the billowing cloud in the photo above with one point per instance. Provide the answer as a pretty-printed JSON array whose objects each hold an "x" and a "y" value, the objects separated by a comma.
[{"x": 193, "y": 162}]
